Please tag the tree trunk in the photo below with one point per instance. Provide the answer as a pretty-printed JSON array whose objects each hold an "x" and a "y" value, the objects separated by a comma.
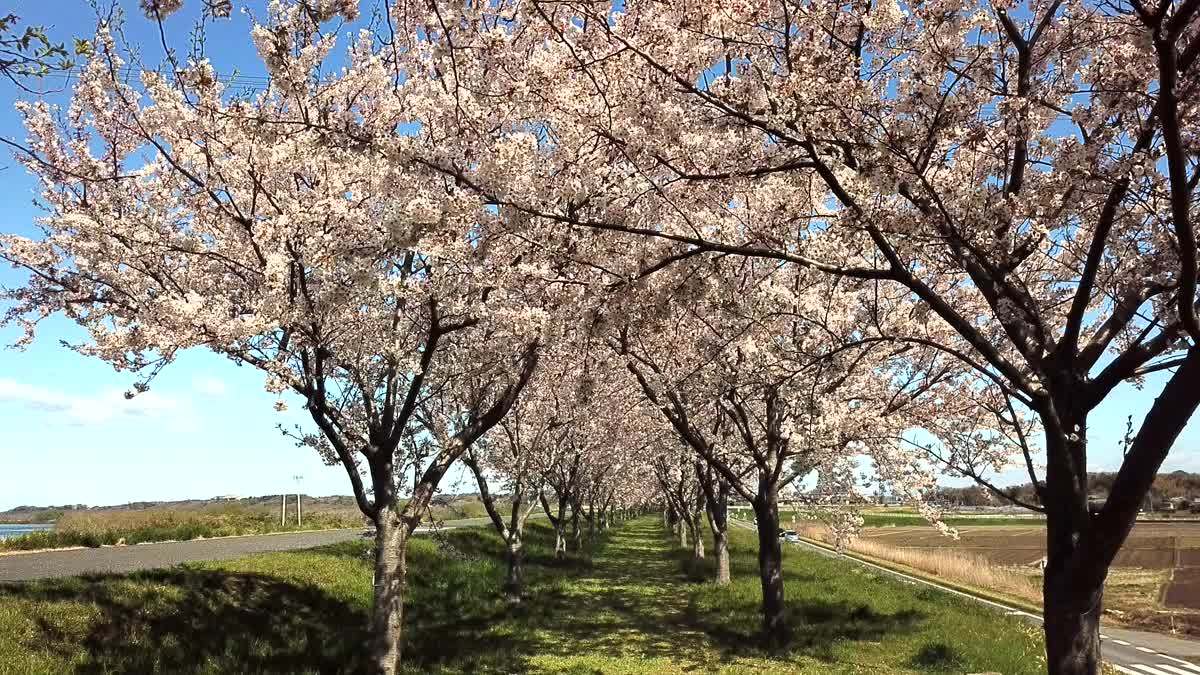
[
  {"x": 387, "y": 611},
  {"x": 721, "y": 551},
  {"x": 576, "y": 532},
  {"x": 697, "y": 540},
  {"x": 560, "y": 543},
  {"x": 514, "y": 584},
  {"x": 1080, "y": 547},
  {"x": 770, "y": 572},
  {"x": 1072, "y": 625},
  {"x": 683, "y": 539},
  {"x": 716, "y": 508},
  {"x": 1073, "y": 581}
]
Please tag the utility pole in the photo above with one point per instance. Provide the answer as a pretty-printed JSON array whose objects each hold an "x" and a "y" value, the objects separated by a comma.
[
  {"x": 297, "y": 478},
  {"x": 283, "y": 511}
]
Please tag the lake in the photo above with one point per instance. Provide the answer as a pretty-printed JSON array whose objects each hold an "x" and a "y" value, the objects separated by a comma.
[{"x": 7, "y": 530}]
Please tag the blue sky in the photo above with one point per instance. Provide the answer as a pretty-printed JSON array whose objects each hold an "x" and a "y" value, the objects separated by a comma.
[{"x": 207, "y": 427}]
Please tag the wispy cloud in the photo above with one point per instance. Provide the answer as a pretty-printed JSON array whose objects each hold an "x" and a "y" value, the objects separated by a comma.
[{"x": 86, "y": 409}]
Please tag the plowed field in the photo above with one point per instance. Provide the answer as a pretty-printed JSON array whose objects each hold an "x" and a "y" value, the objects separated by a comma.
[{"x": 1151, "y": 546}]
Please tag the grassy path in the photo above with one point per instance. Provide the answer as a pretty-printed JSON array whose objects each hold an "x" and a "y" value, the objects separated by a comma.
[
  {"x": 629, "y": 614},
  {"x": 644, "y": 608}
]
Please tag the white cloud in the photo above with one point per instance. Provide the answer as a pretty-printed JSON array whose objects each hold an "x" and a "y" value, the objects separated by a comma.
[
  {"x": 209, "y": 386},
  {"x": 87, "y": 409}
]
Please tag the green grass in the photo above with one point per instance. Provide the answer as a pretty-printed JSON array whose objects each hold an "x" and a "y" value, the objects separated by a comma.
[
  {"x": 632, "y": 607},
  {"x": 904, "y": 520}
]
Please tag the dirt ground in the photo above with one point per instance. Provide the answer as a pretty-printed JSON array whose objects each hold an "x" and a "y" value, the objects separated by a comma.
[{"x": 1158, "y": 569}]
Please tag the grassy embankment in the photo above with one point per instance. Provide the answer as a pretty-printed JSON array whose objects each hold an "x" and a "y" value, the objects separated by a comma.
[
  {"x": 99, "y": 528},
  {"x": 634, "y": 607}
]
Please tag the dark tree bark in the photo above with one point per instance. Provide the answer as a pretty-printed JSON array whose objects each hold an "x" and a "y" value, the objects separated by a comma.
[
  {"x": 1080, "y": 546},
  {"x": 697, "y": 539},
  {"x": 776, "y": 633},
  {"x": 576, "y": 530}
]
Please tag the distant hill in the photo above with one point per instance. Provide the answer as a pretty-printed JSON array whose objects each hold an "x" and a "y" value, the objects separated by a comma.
[{"x": 445, "y": 507}]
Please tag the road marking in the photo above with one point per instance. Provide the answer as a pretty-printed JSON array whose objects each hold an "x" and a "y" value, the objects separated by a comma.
[
  {"x": 1186, "y": 664},
  {"x": 1173, "y": 669},
  {"x": 1150, "y": 669},
  {"x": 1121, "y": 642},
  {"x": 1103, "y": 636},
  {"x": 1143, "y": 649}
]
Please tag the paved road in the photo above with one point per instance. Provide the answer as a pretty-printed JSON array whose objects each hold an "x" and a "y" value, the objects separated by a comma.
[
  {"x": 74, "y": 562},
  {"x": 27, "y": 566},
  {"x": 1131, "y": 652}
]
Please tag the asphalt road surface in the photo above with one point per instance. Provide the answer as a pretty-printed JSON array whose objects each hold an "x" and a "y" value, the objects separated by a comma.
[
  {"x": 1131, "y": 652},
  {"x": 73, "y": 562},
  {"x": 117, "y": 559}
]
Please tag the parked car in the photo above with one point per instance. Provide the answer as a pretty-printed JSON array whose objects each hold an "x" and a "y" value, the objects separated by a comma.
[{"x": 791, "y": 538}]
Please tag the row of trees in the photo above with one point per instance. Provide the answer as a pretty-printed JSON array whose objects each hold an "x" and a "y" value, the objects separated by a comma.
[{"x": 610, "y": 255}]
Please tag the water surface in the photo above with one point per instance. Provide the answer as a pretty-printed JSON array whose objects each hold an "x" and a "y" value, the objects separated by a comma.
[{"x": 7, "y": 530}]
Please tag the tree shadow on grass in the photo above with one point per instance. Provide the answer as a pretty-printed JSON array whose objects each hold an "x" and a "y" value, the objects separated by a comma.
[
  {"x": 731, "y": 617},
  {"x": 188, "y": 620},
  {"x": 816, "y": 626}
]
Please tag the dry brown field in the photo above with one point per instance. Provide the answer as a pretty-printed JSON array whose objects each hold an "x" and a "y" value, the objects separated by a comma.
[{"x": 1155, "y": 582}]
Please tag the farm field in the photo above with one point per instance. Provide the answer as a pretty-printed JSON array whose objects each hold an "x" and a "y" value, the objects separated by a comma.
[{"x": 1155, "y": 580}]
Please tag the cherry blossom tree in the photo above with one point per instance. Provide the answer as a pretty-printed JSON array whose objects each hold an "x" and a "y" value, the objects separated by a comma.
[
  {"x": 1025, "y": 171},
  {"x": 601, "y": 440},
  {"x": 764, "y": 374},
  {"x": 180, "y": 216},
  {"x": 680, "y": 487},
  {"x": 521, "y": 451},
  {"x": 716, "y": 510}
]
